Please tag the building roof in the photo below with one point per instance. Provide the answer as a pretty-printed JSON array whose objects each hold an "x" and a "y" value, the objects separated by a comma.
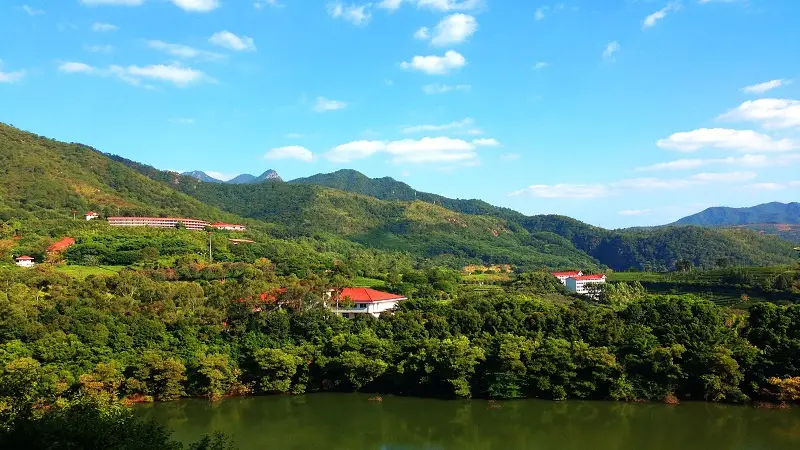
[
  {"x": 223, "y": 224},
  {"x": 599, "y": 276},
  {"x": 24, "y": 258},
  {"x": 566, "y": 274},
  {"x": 61, "y": 245},
  {"x": 156, "y": 218},
  {"x": 367, "y": 295},
  {"x": 90, "y": 213}
]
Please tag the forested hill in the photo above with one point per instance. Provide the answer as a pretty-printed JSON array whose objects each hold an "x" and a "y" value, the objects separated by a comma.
[
  {"x": 652, "y": 248},
  {"x": 773, "y": 213}
]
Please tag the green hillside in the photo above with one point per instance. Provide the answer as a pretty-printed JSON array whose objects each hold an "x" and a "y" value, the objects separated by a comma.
[
  {"x": 423, "y": 229},
  {"x": 647, "y": 249}
]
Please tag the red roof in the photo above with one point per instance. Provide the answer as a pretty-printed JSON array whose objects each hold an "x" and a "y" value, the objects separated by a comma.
[
  {"x": 91, "y": 213},
  {"x": 61, "y": 245},
  {"x": 590, "y": 277},
  {"x": 565, "y": 274},
  {"x": 24, "y": 258},
  {"x": 366, "y": 295}
]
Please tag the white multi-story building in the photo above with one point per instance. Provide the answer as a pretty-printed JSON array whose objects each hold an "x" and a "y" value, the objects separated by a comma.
[
  {"x": 562, "y": 276},
  {"x": 580, "y": 283},
  {"x": 363, "y": 301},
  {"x": 25, "y": 261},
  {"x": 158, "y": 222},
  {"x": 229, "y": 226}
]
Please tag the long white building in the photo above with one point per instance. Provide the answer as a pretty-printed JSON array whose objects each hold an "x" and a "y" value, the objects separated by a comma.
[
  {"x": 579, "y": 283},
  {"x": 158, "y": 222},
  {"x": 562, "y": 276}
]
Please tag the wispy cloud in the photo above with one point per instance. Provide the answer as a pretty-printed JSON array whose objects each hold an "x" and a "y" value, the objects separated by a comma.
[
  {"x": 652, "y": 19},
  {"x": 104, "y": 27},
  {"x": 541, "y": 65},
  {"x": 31, "y": 11},
  {"x": 174, "y": 73},
  {"x": 723, "y": 138},
  {"x": 453, "y": 29},
  {"x": 456, "y": 125},
  {"x": 290, "y": 152},
  {"x": 357, "y": 15},
  {"x": 260, "y": 4},
  {"x": 431, "y": 89},
  {"x": 183, "y": 51},
  {"x": 112, "y": 2},
  {"x": 436, "y": 5},
  {"x": 611, "y": 49},
  {"x": 760, "y": 88},
  {"x": 197, "y": 5},
  {"x": 426, "y": 150},
  {"x": 324, "y": 105},
  {"x": 233, "y": 42}
]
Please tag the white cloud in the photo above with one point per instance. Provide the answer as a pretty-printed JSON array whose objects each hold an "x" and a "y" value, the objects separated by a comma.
[
  {"x": 436, "y": 65},
  {"x": 450, "y": 5},
  {"x": 197, "y": 5},
  {"x": 743, "y": 161},
  {"x": 431, "y": 89},
  {"x": 31, "y": 11},
  {"x": 219, "y": 175},
  {"x": 632, "y": 184},
  {"x": 352, "y": 151},
  {"x": 422, "y": 34},
  {"x": 611, "y": 49},
  {"x": 580, "y": 191},
  {"x": 391, "y": 5},
  {"x": 75, "y": 67},
  {"x": 103, "y": 27},
  {"x": 489, "y": 142},
  {"x": 290, "y": 152},
  {"x": 99, "y": 48},
  {"x": 453, "y": 29},
  {"x": 459, "y": 124},
  {"x": 760, "y": 88},
  {"x": 723, "y": 138},
  {"x": 766, "y": 186},
  {"x": 233, "y": 42},
  {"x": 769, "y": 112},
  {"x": 112, "y": 2},
  {"x": 652, "y": 19},
  {"x": 634, "y": 212},
  {"x": 323, "y": 104},
  {"x": 11, "y": 77},
  {"x": 540, "y": 11},
  {"x": 174, "y": 73},
  {"x": 357, "y": 15},
  {"x": 720, "y": 1},
  {"x": 183, "y": 51},
  {"x": 426, "y": 150},
  {"x": 541, "y": 65}
]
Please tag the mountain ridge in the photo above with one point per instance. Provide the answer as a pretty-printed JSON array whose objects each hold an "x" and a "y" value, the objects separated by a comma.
[
  {"x": 245, "y": 178},
  {"x": 768, "y": 213}
]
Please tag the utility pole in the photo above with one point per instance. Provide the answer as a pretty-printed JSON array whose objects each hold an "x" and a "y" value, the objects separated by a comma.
[{"x": 210, "y": 258}]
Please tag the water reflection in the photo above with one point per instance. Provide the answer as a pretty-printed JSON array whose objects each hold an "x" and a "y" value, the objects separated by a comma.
[{"x": 329, "y": 421}]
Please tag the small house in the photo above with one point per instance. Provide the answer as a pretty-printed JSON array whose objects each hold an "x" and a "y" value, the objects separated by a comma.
[
  {"x": 25, "y": 261},
  {"x": 228, "y": 226},
  {"x": 350, "y": 302},
  {"x": 91, "y": 215}
]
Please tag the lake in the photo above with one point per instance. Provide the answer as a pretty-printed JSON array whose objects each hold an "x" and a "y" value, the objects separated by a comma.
[{"x": 352, "y": 421}]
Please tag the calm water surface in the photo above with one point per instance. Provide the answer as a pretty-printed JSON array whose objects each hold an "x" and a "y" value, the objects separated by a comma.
[{"x": 351, "y": 421}]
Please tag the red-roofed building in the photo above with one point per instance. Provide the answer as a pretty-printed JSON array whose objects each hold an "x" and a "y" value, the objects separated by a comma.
[
  {"x": 228, "y": 226},
  {"x": 579, "y": 283},
  {"x": 25, "y": 261},
  {"x": 363, "y": 300},
  {"x": 562, "y": 276},
  {"x": 158, "y": 222},
  {"x": 61, "y": 245},
  {"x": 91, "y": 215}
]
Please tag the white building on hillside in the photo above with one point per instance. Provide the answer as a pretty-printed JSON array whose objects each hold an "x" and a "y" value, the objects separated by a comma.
[
  {"x": 562, "y": 276},
  {"x": 580, "y": 283},
  {"x": 25, "y": 261},
  {"x": 91, "y": 215},
  {"x": 363, "y": 301}
]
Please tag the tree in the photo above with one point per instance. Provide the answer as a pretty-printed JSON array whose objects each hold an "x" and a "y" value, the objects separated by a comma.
[
  {"x": 277, "y": 367},
  {"x": 684, "y": 265}
]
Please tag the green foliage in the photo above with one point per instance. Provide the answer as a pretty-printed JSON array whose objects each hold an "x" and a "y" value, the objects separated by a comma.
[{"x": 767, "y": 213}]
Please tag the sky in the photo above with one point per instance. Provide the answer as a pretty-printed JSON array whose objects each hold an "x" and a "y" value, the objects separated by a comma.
[{"x": 616, "y": 112}]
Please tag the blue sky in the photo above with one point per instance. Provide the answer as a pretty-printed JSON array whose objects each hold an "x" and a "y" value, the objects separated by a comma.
[{"x": 615, "y": 112}]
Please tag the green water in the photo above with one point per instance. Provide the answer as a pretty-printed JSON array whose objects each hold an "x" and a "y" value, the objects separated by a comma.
[{"x": 350, "y": 421}]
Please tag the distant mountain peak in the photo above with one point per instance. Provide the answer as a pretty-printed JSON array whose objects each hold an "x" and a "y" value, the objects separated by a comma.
[
  {"x": 773, "y": 212},
  {"x": 245, "y": 178},
  {"x": 202, "y": 176}
]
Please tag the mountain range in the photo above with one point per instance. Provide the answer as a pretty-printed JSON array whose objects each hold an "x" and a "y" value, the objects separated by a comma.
[
  {"x": 775, "y": 213},
  {"x": 348, "y": 215},
  {"x": 245, "y": 178}
]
